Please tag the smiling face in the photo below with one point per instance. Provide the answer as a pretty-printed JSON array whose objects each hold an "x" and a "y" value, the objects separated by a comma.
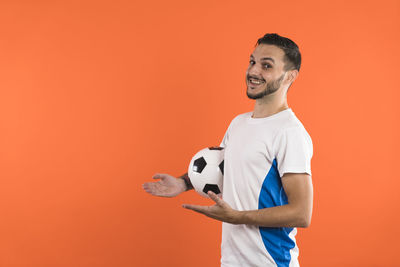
[{"x": 265, "y": 73}]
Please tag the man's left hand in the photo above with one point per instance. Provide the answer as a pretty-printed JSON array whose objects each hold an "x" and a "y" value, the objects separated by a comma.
[{"x": 220, "y": 211}]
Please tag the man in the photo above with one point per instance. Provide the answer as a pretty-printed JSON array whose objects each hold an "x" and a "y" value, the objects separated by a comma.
[{"x": 267, "y": 188}]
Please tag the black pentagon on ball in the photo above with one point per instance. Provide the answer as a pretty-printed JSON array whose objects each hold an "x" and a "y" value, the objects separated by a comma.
[
  {"x": 199, "y": 165},
  {"x": 211, "y": 187},
  {"x": 221, "y": 167}
]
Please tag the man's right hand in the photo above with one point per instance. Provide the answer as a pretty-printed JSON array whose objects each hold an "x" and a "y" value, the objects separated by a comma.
[{"x": 166, "y": 186}]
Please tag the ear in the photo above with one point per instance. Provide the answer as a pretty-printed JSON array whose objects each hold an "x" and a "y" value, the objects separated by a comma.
[{"x": 292, "y": 75}]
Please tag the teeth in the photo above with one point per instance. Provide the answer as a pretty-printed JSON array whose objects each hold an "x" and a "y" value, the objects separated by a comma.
[{"x": 255, "y": 81}]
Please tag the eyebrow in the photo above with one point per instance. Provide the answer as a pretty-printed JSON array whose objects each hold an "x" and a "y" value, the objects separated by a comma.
[{"x": 265, "y": 58}]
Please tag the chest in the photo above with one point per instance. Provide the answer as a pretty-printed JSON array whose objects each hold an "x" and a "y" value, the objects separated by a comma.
[
  {"x": 249, "y": 154},
  {"x": 253, "y": 145}
]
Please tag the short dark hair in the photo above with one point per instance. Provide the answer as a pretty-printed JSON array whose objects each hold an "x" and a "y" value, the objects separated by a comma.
[{"x": 292, "y": 53}]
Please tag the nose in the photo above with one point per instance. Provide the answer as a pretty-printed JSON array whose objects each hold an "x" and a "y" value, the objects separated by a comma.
[{"x": 254, "y": 70}]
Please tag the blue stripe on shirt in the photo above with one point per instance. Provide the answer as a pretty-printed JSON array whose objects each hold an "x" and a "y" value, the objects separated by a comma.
[{"x": 276, "y": 239}]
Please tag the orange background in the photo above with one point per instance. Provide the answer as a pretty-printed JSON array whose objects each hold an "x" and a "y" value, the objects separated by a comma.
[{"x": 97, "y": 96}]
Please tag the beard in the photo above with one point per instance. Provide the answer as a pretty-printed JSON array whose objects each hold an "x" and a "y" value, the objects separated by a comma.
[{"x": 272, "y": 87}]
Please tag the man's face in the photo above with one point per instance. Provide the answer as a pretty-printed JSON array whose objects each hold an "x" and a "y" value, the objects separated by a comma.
[{"x": 265, "y": 73}]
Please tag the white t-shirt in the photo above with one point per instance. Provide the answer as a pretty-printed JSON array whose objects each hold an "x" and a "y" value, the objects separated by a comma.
[{"x": 258, "y": 152}]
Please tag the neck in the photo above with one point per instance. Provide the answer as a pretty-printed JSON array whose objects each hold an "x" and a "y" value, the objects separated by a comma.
[{"x": 269, "y": 105}]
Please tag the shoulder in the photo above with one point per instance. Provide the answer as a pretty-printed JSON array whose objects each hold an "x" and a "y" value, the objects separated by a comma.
[
  {"x": 290, "y": 124},
  {"x": 291, "y": 128},
  {"x": 240, "y": 118}
]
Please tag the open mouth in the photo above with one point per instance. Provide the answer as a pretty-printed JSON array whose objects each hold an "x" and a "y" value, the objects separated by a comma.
[{"x": 254, "y": 81}]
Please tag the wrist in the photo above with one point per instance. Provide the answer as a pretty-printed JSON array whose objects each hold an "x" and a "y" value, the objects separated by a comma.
[{"x": 186, "y": 180}]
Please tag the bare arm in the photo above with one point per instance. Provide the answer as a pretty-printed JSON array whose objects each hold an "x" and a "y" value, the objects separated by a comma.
[{"x": 297, "y": 213}]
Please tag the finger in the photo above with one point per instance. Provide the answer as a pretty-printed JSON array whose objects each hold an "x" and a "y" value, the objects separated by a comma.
[
  {"x": 148, "y": 188},
  {"x": 158, "y": 176},
  {"x": 151, "y": 189},
  {"x": 155, "y": 193},
  {"x": 214, "y": 197},
  {"x": 198, "y": 208},
  {"x": 149, "y": 185}
]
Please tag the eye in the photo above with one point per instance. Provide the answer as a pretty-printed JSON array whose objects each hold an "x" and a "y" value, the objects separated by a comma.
[
  {"x": 252, "y": 62},
  {"x": 266, "y": 66}
]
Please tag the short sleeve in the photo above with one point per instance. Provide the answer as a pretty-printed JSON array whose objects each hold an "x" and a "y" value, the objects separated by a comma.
[
  {"x": 225, "y": 140},
  {"x": 294, "y": 151}
]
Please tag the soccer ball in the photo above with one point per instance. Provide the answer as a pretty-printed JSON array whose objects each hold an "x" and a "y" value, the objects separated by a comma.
[{"x": 206, "y": 170}]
